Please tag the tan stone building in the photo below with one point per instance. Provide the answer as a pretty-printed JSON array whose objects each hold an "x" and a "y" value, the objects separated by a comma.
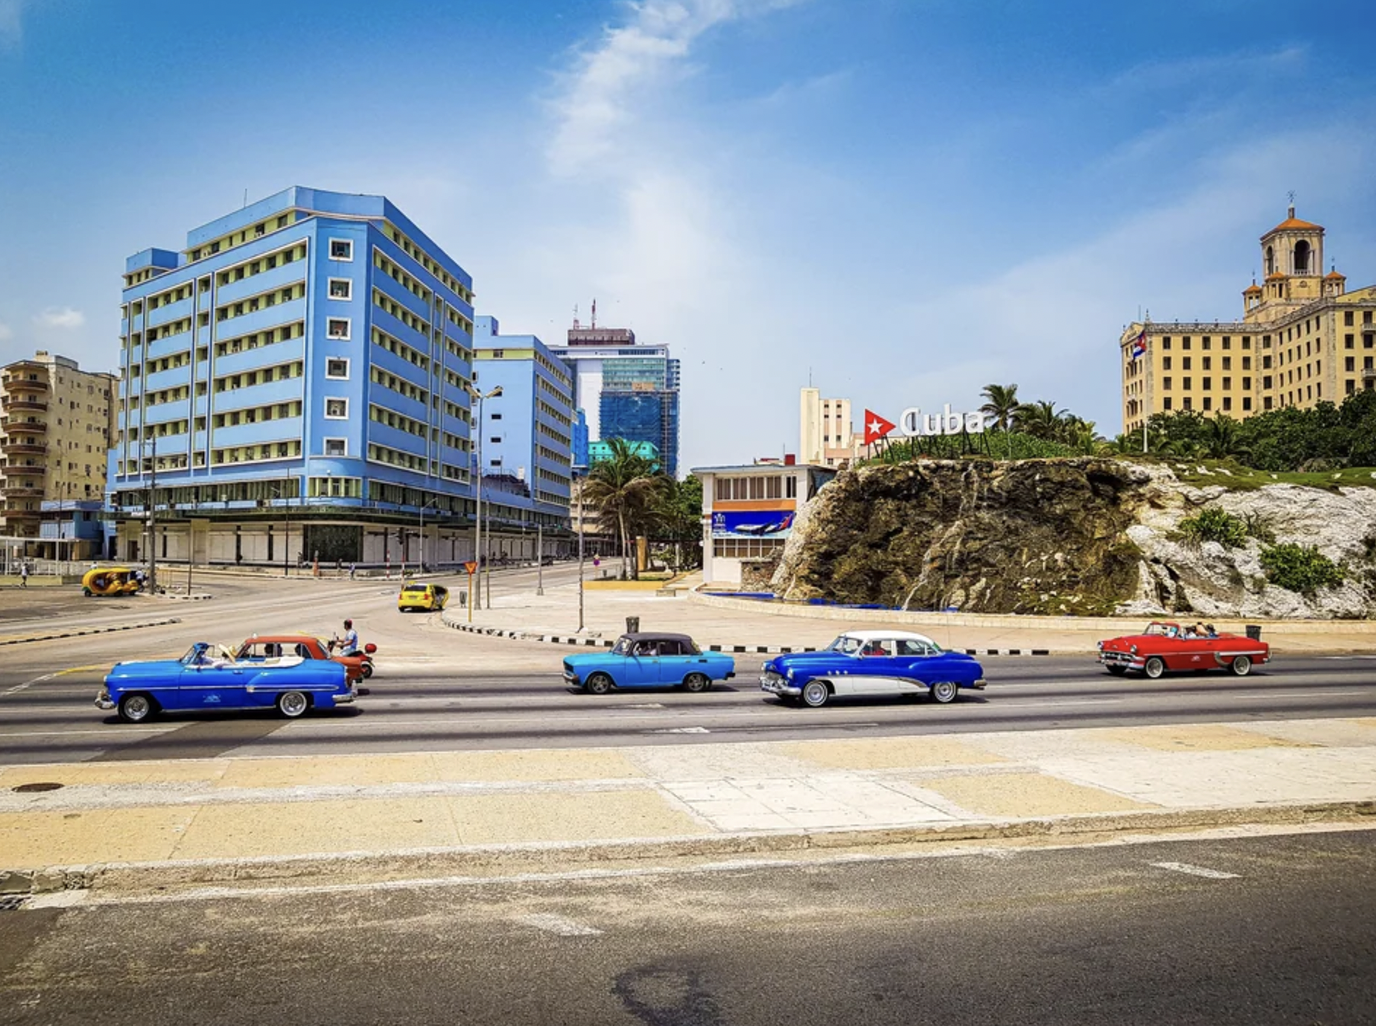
[
  {"x": 57, "y": 423},
  {"x": 1303, "y": 339},
  {"x": 826, "y": 434}
]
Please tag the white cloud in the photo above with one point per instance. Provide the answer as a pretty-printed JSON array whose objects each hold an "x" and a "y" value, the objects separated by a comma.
[
  {"x": 613, "y": 81},
  {"x": 6, "y": 333},
  {"x": 12, "y": 22},
  {"x": 60, "y": 317}
]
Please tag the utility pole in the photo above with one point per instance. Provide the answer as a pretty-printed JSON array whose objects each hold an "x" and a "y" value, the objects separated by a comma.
[
  {"x": 478, "y": 526},
  {"x": 152, "y": 522},
  {"x": 539, "y": 557},
  {"x": 580, "y": 555}
]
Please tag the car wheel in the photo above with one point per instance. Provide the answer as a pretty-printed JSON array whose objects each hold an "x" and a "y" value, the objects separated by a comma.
[
  {"x": 1116, "y": 670},
  {"x": 816, "y": 693},
  {"x": 292, "y": 704},
  {"x": 135, "y": 708},
  {"x": 86, "y": 592},
  {"x": 367, "y": 671},
  {"x": 598, "y": 684},
  {"x": 944, "y": 692},
  {"x": 1154, "y": 667},
  {"x": 697, "y": 682},
  {"x": 1241, "y": 666}
]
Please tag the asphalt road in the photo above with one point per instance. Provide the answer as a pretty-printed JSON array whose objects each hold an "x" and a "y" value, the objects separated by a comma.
[
  {"x": 1276, "y": 930},
  {"x": 437, "y": 690},
  {"x": 55, "y": 720}
]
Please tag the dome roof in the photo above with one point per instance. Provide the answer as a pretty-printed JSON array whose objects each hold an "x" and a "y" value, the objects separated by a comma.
[
  {"x": 1252, "y": 289},
  {"x": 1295, "y": 224},
  {"x": 1334, "y": 274}
]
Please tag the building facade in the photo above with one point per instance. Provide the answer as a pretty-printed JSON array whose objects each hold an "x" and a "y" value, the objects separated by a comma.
[
  {"x": 599, "y": 451},
  {"x": 625, "y": 389},
  {"x": 826, "y": 433},
  {"x": 747, "y": 516},
  {"x": 294, "y": 385},
  {"x": 1303, "y": 339},
  {"x": 526, "y": 434},
  {"x": 57, "y": 423}
]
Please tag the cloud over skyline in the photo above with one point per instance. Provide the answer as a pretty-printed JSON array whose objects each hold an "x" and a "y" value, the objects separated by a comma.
[{"x": 63, "y": 317}]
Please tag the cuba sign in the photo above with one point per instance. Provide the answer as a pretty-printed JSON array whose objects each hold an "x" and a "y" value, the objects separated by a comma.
[{"x": 913, "y": 423}]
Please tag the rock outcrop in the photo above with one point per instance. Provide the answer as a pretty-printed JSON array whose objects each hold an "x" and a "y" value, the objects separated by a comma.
[{"x": 1083, "y": 536}]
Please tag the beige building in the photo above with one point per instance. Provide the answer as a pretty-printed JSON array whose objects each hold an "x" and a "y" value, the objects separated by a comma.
[
  {"x": 1303, "y": 339},
  {"x": 826, "y": 436},
  {"x": 56, "y": 425}
]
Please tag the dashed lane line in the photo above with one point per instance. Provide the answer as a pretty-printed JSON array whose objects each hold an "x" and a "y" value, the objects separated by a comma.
[
  {"x": 1189, "y": 870},
  {"x": 552, "y": 923}
]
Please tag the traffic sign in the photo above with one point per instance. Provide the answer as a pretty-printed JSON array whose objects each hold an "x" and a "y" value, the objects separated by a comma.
[{"x": 471, "y": 567}]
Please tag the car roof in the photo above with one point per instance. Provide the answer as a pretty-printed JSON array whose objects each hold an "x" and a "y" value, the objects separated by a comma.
[
  {"x": 281, "y": 637},
  {"x": 874, "y": 635},
  {"x": 656, "y": 636}
]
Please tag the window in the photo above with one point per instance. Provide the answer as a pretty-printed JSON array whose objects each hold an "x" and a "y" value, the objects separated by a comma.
[
  {"x": 337, "y": 369},
  {"x": 1227, "y": 342},
  {"x": 1185, "y": 342},
  {"x": 341, "y": 288},
  {"x": 495, "y": 416},
  {"x": 1351, "y": 386},
  {"x": 1227, "y": 402},
  {"x": 1208, "y": 384},
  {"x": 1247, "y": 402},
  {"x": 1227, "y": 384},
  {"x": 1188, "y": 404},
  {"x": 341, "y": 249},
  {"x": 1188, "y": 385},
  {"x": 1165, "y": 363},
  {"x": 336, "y": 447},
  {"x": 1185, "y": 363},
  {"x": 1166, "y": 403},
  {"x": 338, "y": 328},
  {"x": 1347, "y": 319},
  {"x": 1348, "y": 341},
  {"x": 1246, "y": 384},
  {"x": 1208, "y": 362},
  {"x": 791, "y": 485},
  {"x": 1165, "y": 384},
  {"x": 1166, "y": 342},
  {"x": 1246, "y": 363},
  {"x": 1227, "y": 363},
  {"x": 1206, "y": 342},
  {"x": 336, "y": 409},
  {"x": 495, "y": 463},
  {"x": 495, "y": 440}
]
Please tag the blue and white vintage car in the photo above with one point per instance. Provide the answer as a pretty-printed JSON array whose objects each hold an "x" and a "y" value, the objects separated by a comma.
[
  {"x": 648, "y": 661},
  {"x": 209, "y": 677},
  {"x": 872, "y": 663}
]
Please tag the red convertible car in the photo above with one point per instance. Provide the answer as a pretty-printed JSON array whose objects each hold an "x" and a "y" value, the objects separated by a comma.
[{"x": 1168, "y": 646}]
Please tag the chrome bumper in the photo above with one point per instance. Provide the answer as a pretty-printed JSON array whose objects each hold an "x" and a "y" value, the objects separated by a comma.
[
  {"x": 980, "y": 684},
  {"x": 346, "y": 699},
  {"x": 103, "y": 701},
  {"x": 571, "y": 678},
  {"x": 1128, "y": 659},
  {"x": 779, "y": 686}
]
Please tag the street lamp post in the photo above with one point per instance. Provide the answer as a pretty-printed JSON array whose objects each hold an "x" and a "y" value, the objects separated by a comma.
[
  {"x": 478, "y": 524},
  {"x": 539, "y": 557},
  {"x": 580, "y": 554}
]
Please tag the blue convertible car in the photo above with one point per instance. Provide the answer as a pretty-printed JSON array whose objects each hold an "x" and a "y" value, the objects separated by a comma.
[
  {"x": 648, "y": 661},
  {"x": 209, "y": 677},
  {"x": 872, "y": 663}
]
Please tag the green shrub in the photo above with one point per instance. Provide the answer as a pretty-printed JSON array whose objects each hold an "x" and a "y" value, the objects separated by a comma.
[
  {"x": 1301, "y": 568},
  {"x": 1216, "y": 525}
]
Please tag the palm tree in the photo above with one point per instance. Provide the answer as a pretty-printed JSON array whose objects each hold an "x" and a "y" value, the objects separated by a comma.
[
  {"x": 1039, "y": 419},
  {"x": 1002, "y": 404},
  {"x": 623, "y": 489}
]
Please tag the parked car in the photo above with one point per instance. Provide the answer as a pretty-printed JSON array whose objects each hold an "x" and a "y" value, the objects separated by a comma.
[
  {"x": 111, "y": 580},
  {"x": 870, "y": 663},
  {"x": 1166, "y": 645},
  {"x": 209, "y": 677},
  {"x": 422, "y": 597},
  {"x": 647, "y": 660},
  {"x": 263, "y": 647}
]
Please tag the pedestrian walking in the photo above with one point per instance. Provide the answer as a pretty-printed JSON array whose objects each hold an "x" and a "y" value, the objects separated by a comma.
[
  {"x": 23, "y": 575},
  {"x": 352, "y": 568}
]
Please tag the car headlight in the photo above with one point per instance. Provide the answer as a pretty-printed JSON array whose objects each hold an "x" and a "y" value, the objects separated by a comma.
[
  {"x": 790, "y": 673},
  {"x": 1132, "y": 649}
]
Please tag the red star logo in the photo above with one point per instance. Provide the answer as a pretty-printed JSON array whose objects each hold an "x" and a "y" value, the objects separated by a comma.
[{"x": 876, "y": 427}]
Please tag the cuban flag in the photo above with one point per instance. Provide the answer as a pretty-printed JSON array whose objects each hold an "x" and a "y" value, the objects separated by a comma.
[{"x": 1139, "y": 345}]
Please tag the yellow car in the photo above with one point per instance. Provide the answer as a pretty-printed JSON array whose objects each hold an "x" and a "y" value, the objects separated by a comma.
[{"x": 422, "y": 597}]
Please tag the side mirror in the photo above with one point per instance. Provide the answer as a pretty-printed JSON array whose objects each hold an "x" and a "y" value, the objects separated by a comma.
[{"x": 370, "y": 648}]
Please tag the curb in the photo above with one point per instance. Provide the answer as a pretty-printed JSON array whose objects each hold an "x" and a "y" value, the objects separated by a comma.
[
  {"x": 187, "y": 598},
  {"x": 573, "y": 639},
  {"x": 89, "y": 630},
  {"x": 531, "y": 857}
]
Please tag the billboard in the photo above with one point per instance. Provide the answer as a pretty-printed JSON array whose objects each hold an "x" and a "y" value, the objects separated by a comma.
[{"x": 767, "y": 523}]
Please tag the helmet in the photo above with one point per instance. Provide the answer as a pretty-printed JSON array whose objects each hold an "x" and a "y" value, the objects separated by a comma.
[{"x": 348, "y": 624}]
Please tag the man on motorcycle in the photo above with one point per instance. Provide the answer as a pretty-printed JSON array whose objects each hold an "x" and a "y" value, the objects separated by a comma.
[{"x": 349, "y": 643}]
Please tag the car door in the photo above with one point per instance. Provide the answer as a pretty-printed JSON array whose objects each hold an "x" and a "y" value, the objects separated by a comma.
[
  {"x": 910, "y": 670},
  {"x": 642, "y": 666},
  {"x": 673, "y": 662},
  {"x": 214, "y": 686},
  {"x": 877, "y": 668}
]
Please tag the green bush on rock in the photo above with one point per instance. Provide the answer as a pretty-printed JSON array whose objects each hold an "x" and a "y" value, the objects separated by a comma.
[
  {"x": 1215, "y": 525},
  {"x": 1301, "y": 568}
]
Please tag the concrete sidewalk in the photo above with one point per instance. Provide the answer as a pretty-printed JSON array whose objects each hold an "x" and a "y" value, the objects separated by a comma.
[{"x": 151, "y": 824}]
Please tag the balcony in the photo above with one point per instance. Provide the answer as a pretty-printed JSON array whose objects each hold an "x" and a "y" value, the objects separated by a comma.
[
  {"x": 18, "y": 448},
  {"x": 21, "y": 492},
  {"x": 24, "y": 385},
  {"x": 23, "y": 427},
  {"x": 26, "y": 405},
  {"x": 13, "y": 512}
]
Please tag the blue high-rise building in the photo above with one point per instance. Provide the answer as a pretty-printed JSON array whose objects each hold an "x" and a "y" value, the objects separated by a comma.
[
  {"x": 295, "y": 384},
  {"x": 526, "y": 432},
  {"x": 625, "y": 389}
]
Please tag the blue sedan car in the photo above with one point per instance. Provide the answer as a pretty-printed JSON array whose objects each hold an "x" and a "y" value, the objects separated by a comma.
[
  {"x": 209, "y": 677},
  {"x": 871, "y": 663},
  {"x": 648, "y": 661}
]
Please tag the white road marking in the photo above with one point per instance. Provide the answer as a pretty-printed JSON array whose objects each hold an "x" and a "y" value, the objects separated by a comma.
[
  {"x": 1185, "y": 867},
  {"x": 1295, "y": 694},
  {"x": 28, "y": 683},
  {"x": 681, "y": 730},
  {"x": 558, "y": 924},
  {"x": 107, "y": 730}
]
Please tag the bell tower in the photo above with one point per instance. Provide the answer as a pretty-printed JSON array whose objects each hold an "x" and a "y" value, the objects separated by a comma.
[{"x": 1292, "y": 261}]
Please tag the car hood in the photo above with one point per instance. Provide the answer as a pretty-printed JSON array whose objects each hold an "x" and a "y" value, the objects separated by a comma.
[{"x": 145, "y": 668}]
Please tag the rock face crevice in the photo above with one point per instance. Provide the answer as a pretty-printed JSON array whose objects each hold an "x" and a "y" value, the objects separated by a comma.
[{"x": 1083, "y": 536}]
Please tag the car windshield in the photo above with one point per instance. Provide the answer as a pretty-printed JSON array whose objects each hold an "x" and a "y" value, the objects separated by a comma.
[
  {"x": 415, "y": 587},
  {"x": 845, "y": 643},
  {"x": 622, "y": 646}
]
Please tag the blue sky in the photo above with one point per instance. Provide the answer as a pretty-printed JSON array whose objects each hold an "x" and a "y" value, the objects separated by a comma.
[{"x": 904, "y": 201}]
